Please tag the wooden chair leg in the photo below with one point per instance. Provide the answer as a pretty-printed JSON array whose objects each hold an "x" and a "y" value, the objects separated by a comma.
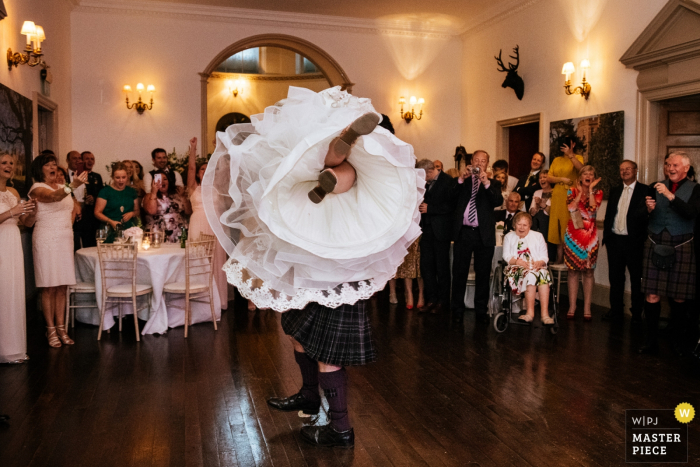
[
  {"x": 69, "y": 293},
  {"x": 136, "y": 319},
  {"x": 120, "y": 315},
  {"x": 102, "y": 317},
  {"x": 211, "y": 305},
  {"x": 187, "y": 313}
]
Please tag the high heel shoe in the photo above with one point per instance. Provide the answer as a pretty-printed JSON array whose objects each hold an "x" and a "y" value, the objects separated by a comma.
[
  {"x": 392, "y": 298},
  {"x": 587, "y": 317},
  {"x": 326, "y": 184},
  {"x": 52, "y": 337},
  {"x": 571, "y": 314},
  {"x": 63, "y": 335}
]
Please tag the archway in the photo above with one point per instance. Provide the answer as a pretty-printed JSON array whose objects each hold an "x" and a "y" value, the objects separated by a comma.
[{"x": 330, "y": 69}]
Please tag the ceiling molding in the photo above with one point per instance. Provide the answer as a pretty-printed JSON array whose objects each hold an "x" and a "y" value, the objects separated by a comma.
[
  {"x": 261, "y": 17},
  {"x": 495, "y": 15}
]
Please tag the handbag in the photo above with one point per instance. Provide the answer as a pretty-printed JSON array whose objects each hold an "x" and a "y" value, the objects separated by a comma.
[{"x": 576, "y": 219}]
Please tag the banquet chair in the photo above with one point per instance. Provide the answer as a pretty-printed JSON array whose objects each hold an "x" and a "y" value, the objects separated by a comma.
[
  {"x": 118, "y": 263},
  {"x": 82, "y": 288},
  {"x": 199, "y": 277}
]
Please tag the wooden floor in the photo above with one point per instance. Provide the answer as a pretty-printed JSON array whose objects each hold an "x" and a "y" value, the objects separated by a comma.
[{"x": 440, "y": 394}]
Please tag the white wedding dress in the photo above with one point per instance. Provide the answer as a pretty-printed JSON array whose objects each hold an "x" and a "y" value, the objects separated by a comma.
[
  {"x": 287, "y": 251},
  {"x": 13, "y": 327}
]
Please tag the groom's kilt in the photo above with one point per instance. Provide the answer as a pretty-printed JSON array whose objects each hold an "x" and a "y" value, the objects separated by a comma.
[
  {"x": 336, "y": 336},
  {"x": 679, "y": 281}
]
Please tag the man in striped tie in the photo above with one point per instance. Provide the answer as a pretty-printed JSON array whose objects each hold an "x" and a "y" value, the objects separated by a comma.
[{"x": 474, "y": 232}]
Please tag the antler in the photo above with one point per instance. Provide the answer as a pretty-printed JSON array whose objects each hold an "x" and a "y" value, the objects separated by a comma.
[
  {"x": 516, "y": 58},
  {"x": 500, "y": 62}
]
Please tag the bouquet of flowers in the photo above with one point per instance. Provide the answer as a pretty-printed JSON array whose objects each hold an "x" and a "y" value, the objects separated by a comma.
[{"x": 134, "y": 232}]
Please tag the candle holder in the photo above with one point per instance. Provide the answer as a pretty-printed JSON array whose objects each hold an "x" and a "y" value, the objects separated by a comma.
[{"x": 156, "y": 239}]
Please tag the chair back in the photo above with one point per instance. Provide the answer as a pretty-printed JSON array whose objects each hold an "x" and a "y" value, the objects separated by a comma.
[
  {"x": 118, "y": 263},
  {"x": 203, "y": 237},
  {"x": 199, "y": 261}
]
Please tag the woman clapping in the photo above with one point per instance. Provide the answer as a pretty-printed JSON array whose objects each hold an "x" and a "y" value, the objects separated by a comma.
[{"x": 52, "y": 243}]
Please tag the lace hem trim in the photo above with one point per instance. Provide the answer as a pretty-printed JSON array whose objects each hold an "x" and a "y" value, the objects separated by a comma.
[{"x": 264, "y": 297}]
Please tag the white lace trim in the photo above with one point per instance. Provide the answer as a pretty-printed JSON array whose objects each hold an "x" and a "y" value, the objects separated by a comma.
[{"x": 264, "y": 297}]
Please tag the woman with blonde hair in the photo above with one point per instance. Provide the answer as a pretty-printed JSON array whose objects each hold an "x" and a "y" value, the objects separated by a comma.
[{"x": 581, "y": 239}]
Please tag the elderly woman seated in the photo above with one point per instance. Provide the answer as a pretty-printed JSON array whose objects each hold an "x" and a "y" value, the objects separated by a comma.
[{"x": 525, "y": 251}]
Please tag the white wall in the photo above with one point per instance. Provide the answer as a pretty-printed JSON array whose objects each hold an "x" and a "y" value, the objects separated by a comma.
[
  {"x": 546, "y": 43},
  {"x": 169, "y": 52},
  {"x": 54, "y": 17}
]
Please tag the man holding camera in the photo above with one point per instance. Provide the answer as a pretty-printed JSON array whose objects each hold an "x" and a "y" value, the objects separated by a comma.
[{"x": 473, "y": 231}]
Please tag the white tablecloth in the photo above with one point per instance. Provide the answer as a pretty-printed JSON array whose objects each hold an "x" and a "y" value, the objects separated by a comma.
[{"x": 155, "y": 267}]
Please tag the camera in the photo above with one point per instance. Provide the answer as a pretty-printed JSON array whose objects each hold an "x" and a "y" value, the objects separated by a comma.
[{"x": 476, "y": 171}]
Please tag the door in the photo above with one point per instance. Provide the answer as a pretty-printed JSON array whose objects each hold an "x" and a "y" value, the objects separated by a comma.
[
  {"x": 679, "y": 129},
  {"x": 523, "y": 142}
]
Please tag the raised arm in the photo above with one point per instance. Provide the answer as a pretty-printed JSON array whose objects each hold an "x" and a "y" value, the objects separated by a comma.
[
  {"x": 192, "y": 167},
  {"x": 47, "y": 195}
]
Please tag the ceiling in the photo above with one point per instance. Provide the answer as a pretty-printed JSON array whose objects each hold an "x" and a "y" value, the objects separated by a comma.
[{"x": 459, "y": 12}]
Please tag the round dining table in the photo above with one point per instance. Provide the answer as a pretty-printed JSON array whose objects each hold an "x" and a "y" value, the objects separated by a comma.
[{"x": 154, "y": 267}]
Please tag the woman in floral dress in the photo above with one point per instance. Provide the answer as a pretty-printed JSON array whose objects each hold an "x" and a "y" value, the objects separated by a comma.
[
  {"x": 525, "y": 251},
  {"x": 581, "y": 241},
  {"x": 166, "y": 210}
]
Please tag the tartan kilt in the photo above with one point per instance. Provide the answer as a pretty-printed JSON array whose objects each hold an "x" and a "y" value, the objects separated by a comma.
[
  {"x": 336, "y": 336},
  {"x": 677, "y": 282}
]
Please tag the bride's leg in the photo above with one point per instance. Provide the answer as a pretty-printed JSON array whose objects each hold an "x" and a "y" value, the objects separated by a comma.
[
  {"x": 345, "y": 177},
  {"x": 339, "y": 148}
]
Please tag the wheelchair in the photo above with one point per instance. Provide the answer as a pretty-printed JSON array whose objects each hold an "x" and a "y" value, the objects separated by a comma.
[{"x": 502, "y": 303}]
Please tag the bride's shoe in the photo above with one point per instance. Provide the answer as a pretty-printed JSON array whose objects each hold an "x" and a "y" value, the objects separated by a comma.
[
  {"x": 340, "y": 146},
  {"x": 52, "y": 337},
  {"x": 326, "y": 184},
  {"x": 63, "y": 335}
]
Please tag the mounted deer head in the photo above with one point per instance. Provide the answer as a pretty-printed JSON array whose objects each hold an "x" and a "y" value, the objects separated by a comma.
[{"x": 512, "y": 79}]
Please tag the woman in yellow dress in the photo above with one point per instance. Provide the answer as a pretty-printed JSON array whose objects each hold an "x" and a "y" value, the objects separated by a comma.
[{"x": 563, "y": 172}]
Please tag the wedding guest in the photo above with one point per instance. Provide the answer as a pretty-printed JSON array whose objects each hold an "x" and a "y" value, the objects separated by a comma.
[
  {"x": 562, "y": 173},
  {"x": 525, "y": 251},
  {"x": 512, "y": 207},
  {"x": 117, "y": 204},
  {"x": 502, "y": 177},
  {"x": 13, "y": 327},
  {"x": 502, "y": 166},
  {"x": 473, "y": 232},
  {"x": 52, "y": 244},
  {"x": 581, "y": 239},
  {"x": 438, "y": 165},
  {"x": 624, "y": 233},
  {"x": 673, "y": 207},
  {"x": 135, "y": 181},
  {"x": 160, "y": 162},
  {"x": 89, "y": 224},
  {"x": 409, "y": 270},
  {"x": 530, "y": 183},
  {"x": 166, "y": 209},
  {"x": 435, "y": 222},
  {"x": 539, "y": 210},
  {"x": 75, "y": 166},
  {"x": 198, "y": 220},
  {"x": 61, "y": 177}
]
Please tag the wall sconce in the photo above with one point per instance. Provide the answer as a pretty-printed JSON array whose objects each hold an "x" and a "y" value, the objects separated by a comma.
[
  {"x": 408, "y": 116},
  {"x": 234, "y": 87},
  {"x": 33, "y": 54},
  {"x": 140, "y": 105},
  {"x": 568, "y": 70}
]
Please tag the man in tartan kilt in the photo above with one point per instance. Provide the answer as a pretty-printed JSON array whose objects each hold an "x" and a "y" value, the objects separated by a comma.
[
  {"x": 325, "y": 341},
  {"x": 673, "y": 207}
]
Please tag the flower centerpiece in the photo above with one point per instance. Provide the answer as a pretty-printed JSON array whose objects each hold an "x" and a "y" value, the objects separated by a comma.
[{"x": 136, "y": 235}]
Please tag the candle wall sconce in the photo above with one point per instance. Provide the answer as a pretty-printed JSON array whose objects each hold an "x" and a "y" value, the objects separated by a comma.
[
  {"x": 32, "y": 57},
  {"x": 140, "y": 106}
]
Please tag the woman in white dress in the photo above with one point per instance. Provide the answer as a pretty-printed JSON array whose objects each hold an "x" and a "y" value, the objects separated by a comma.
[
  {"x": 13, "y": 327},
  {"x": 199, "y": 223},
  {"x": 52, "y": 244},
  {"x": 293, "y": 240},
  {"x": 525, "y": 251}
]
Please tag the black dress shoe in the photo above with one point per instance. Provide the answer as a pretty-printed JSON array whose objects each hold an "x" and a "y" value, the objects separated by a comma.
[
  {"x": 614, "y": 316},
  {"x": 435, "y": 309},
  {"x": 649, "y": 349},
  {"x": 458, "y": 317},
  {"x": 482, "y": 318},
  {"x": 326, "y": 436},
  {"x": 426, "y": 308},
  {"x": 294, "y": 403}
]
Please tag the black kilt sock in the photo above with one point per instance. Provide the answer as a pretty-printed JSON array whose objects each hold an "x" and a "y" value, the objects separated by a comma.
[
  {"x": 652, "y": 312},
  {"x": 335, "y": 388},
  {"x": 309, "y": 375}
]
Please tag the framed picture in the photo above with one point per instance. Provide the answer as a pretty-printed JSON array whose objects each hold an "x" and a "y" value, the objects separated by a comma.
[
  {"x": 598, "y": 138},
  {"x": 16, "y": 135}
]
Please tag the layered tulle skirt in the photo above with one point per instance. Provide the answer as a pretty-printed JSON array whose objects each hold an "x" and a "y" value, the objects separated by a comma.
[{"x": 286, "y": 251}]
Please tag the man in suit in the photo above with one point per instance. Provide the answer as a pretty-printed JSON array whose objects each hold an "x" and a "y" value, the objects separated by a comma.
[
  {"x": 438, "y": 165},
  {"x": 88, "y": 223},
  {"x": 530, "y": 183},
  {"x": 436, "y": 211},
  {"x": 474, "y": 231},
  {"x": 502, "y": 166},
  {"x": 75, "y": 168},
  {"x": 624, "y": 233},
  {"x": 506, "y": 215}
]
